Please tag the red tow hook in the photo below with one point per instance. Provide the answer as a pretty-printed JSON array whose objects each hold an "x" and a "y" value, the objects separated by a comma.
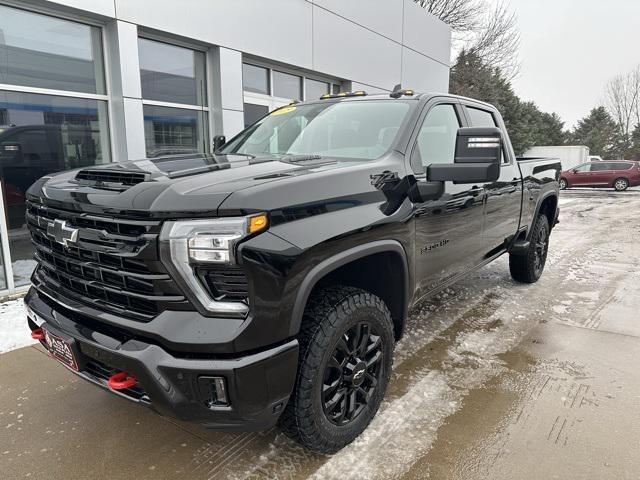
[
  {"x": 37, "y": 334},
  {"x": 122, "y": 381}
]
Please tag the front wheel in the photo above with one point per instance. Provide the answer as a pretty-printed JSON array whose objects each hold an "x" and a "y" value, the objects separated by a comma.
[
  {"x": 621, "y": 184},
  {"x": 528, "y": 267},
  {"x": 563, "y": 184},
  {"x": 346, "y": 350}
]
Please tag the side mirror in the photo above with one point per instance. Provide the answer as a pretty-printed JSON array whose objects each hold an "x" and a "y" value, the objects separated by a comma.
[
  {"x": 11, "y": 148},
  {"x": 477, "y": 157},
  {"x": 218, "y": 142}
]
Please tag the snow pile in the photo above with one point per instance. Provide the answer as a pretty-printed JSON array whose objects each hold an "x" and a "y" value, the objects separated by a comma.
[{"x": 14, "y": 332}]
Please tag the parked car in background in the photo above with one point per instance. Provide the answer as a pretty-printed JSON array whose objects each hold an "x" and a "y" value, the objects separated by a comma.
[{"x": 619, "y": 174}]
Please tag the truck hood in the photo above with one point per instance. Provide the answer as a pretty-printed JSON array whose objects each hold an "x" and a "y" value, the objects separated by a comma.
[{"x": 176, "y": 186}]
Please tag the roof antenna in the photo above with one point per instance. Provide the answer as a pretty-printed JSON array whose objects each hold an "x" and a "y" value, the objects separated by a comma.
[{"x": 397, "y": 91}]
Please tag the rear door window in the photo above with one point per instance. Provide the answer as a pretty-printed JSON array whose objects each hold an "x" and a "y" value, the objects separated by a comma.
[
  {"x": 622, "y": 166},
  {"x": 483, "y": 118},
  {"x": 601, "y": 166}
]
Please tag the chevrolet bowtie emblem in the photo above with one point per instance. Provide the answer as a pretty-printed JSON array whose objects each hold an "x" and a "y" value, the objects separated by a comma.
[{"x": 61, "y": 233}]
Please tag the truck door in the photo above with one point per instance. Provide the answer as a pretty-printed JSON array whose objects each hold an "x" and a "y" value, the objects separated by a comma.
[
  {"x": 448, "y": 231},
  {"x": 503, "y": 198}
]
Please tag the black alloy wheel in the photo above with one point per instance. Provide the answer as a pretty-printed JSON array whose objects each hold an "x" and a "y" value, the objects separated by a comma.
[
  {"x": 541, "y": 248},
  {"x": 352, "y": 374},
  {"x": 346, "y": 352}
]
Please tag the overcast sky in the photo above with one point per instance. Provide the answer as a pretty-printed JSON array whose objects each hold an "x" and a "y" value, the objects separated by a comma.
[{"x": 571, "y": 48}]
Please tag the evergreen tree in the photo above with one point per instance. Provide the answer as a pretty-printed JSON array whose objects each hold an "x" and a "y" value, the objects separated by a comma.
[
  {"x": 526, "y": 124},
  {"x": 633, "y": 153},
  {"x": 599, "y": 132}
]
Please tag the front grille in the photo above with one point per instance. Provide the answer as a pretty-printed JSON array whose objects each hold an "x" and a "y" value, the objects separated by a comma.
[
  {"x": 116, "y": 177},
  {"x": 225, "y": 282},
  {"x": 112, "y": 265}
]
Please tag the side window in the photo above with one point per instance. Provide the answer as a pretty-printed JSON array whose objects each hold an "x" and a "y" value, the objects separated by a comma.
[
  {"x": 622, "y": 166},
  {"x": 600, "y": 167},
  {"x": 583, "y": 168},
  {"x": 483, "y": 118},
  {"x": 436, "y": 141}
]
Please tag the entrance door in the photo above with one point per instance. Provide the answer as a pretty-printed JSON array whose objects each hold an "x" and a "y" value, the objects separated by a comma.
[{"x": 448, "y": 230}]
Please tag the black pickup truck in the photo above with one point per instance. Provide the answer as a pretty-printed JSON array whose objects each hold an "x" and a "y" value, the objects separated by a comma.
[{"x": 270, "y": 281}]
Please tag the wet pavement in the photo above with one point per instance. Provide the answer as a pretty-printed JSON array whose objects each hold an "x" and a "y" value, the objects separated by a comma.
[{"x": 492, "y": 380}]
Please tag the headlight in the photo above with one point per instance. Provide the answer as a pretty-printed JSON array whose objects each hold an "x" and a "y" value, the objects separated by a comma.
[{"x": 191, "y": 243}]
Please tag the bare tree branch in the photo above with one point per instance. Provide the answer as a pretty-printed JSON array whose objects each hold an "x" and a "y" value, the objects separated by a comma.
[
  {"x": 498, "y": 41},
  {"x": 461, "y": 15},
  {"x": 491, "y": 34},
  {"x": 622, "y": 99}
]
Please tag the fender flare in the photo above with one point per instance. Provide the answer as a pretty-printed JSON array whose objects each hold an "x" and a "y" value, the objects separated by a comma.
[
  {"x": 334, "y": 262},
  {"x": 542, "y": 199}
]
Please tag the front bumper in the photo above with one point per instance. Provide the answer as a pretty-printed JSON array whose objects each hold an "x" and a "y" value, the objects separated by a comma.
[{"x": 258, "y": 384}]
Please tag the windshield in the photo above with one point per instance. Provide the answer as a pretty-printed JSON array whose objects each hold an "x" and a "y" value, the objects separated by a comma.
[{"x": 361, "y": 130}]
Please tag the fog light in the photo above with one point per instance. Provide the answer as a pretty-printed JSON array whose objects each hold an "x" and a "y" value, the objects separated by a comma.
[{"x": 214, "y": 391}]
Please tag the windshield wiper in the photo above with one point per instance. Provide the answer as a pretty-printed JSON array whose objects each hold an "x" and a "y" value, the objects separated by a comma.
[
  {"x": 248, "y": 155},
  {"x": 293, "y": 158}
]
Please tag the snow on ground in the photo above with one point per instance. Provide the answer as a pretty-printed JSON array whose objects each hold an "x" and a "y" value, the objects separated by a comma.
[{"x": 14, "y": 332}]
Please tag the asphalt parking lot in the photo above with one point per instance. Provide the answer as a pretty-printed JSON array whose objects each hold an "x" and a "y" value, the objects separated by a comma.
[{"x": 493, "y": 380}]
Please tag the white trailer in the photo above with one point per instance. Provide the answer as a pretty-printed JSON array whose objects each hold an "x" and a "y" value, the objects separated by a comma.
[{"x": 570, "y": 156}]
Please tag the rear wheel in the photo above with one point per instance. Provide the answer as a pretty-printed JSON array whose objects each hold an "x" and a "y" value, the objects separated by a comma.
[
  {"x": 528, "y": 267},
  {"x": 563, "y": 184},
  {"x": 621, "y": 184},
  {"x": 346, "y": 349}
]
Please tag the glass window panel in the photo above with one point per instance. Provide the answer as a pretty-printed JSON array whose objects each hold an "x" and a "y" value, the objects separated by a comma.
[
  {"x": 481, "y": 118},
  {"x": 41, "y": 51},
  {"x": 315, "y": 89},
  {"x": 172, "y": 74},
  {"x": 255, "y": 79},
  {"x": 171, "y": 131},
  {"x": 336, "y": 89},
  {"x": 253, "y": 113},
  {"x": 42, "y": 134},
  {"x": 287, "y": 86},
  {"x": 437, "y": 136}
]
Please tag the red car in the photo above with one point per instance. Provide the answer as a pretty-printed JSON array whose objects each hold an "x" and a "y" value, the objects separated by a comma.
[{"x": 619, "y": 174}]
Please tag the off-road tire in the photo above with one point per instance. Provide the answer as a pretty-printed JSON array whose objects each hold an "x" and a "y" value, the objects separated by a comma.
[
  {"x": 620, "y": 184},
  {"x": 528, "y": 267},
  {"x": 329, "y": 315}
]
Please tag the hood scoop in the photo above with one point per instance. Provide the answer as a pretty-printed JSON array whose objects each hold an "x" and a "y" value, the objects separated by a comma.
[{"x": 111, "y": 179}]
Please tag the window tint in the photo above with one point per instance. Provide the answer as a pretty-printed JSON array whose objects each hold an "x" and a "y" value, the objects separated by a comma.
[
  {"x": 169, "y": 131},
  {"x": 41, "y": 51},
  {"x": 622, "y": 166},
  {"x": 255, "y": 79},
  {"x": 481, "y": 118},
  {"x": 599, "y": 167},
  {"x": 315, "y": 89},
  {"x": 287, "y": 86},
  {"x": 583, "y": 168},
  {"x": 171, "y": 74},
  {"x": 437, "y": 137}
]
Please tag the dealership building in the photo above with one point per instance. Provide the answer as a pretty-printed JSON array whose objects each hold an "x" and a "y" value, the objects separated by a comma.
[{"x": 85, "y": 82}]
